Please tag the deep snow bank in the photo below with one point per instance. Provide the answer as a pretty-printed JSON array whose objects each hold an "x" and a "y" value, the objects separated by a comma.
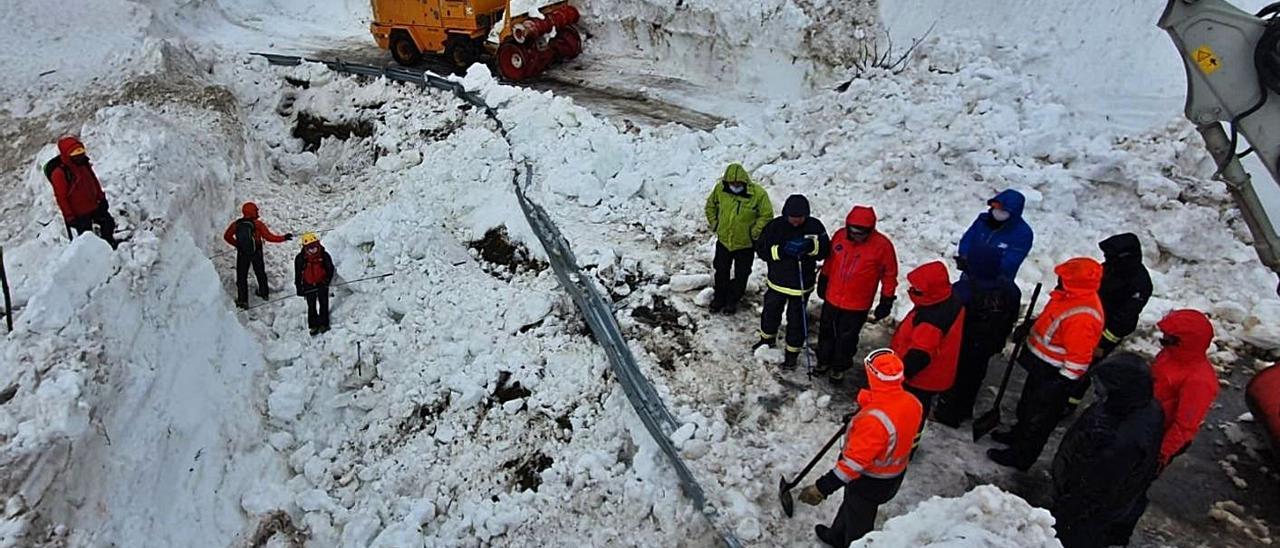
[
  {"x": 136, "y": 415},
  {"x": 985, "y": 516},
  {"x": 1106, "y": 59},
  {"x": 775, "y": 48}
]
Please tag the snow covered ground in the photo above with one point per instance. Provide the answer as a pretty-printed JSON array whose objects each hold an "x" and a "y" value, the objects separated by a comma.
[{"x": 460, "y": 401}]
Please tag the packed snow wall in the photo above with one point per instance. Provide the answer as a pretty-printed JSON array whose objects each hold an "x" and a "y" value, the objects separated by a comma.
[
  {"x": 774, "y": 48},
  {"x": 134, "y": 416},
  {"x": 1106, "y": 59}
]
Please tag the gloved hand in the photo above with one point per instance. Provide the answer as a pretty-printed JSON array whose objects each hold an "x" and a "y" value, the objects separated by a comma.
[
  {"x": 795, "y": 247},
  {"x": 883, "y": 309},
  {"x": 288, "y": 236},
  {"x": 822, "y": 287},
  {"x": 812, "y": 496},
  {"x": 1023, "y": 330}
]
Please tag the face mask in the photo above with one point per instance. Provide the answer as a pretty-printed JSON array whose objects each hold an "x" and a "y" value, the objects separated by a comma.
[
  {"x": 1000, "y": 215},
  {"x": 1168, "y": 340},
  {"x": 857, "y": 233},
  {"x": 82, "y": 160},
  {"x": 737, "y": 188}
]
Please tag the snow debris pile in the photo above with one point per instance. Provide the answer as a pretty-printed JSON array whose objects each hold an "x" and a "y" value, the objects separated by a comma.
[{"x": 985, "y": 516}]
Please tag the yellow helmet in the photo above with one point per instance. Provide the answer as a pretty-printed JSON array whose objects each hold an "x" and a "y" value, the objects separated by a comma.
[{"x": 309, "y": 238}]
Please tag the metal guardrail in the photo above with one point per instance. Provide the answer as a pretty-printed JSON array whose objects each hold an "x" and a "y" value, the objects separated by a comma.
[{"x": 655, "y": 416}]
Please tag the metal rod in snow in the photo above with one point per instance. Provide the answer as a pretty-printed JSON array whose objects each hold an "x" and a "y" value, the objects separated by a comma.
[
  {"x": 349, "y": 282},
  {"x": 4, "y": 283}
]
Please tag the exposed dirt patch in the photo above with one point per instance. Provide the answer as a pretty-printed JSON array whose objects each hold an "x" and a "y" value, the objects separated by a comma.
[
  {"x": 424, "y": 415},
  {"x": 508, "y": 390},
  {"x": 527, "y": 471},
  {"x": 672, "y": 339},
  {"x": 503, "y": 258},
  {"x": 278, "y": 527},
  {"x": 313, "y": 130}
]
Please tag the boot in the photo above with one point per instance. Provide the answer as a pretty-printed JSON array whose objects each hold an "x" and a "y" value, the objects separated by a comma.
[
  {"x": 1005, "y": 437},
  {"x": 1006, "y": 457},
  {"x": 717, "y": 304},
  {"x": 315, "y": 331},
  {"x": 789, "y": 360},
  {"x": 242, "y": 304},
  {"x": 764, "y": 342},
  {"x": 825, "y": 535},
  {"x": 730, "y": 308},
  {"x": 821, "y": 368},
  {"x": 836, "y": 377},
  {"x": 264, "y": 293}
]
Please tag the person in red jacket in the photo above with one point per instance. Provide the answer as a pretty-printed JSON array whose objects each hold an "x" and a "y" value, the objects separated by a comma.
[
  {"x": 861, "y": 259},
  {"x": 928, "y": 339},
  {"x": 877, "y": 449},
  {"x": 78, "y": 192},
  {"x": 1185, "y": 386},
  {"x": 246, "y": 234}
]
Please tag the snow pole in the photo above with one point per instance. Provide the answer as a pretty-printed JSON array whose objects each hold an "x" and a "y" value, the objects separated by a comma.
[
  {"x": 4, "y": 283},
  {"x": 804, "y": 319},
  {"x": 278, "y": 299}
]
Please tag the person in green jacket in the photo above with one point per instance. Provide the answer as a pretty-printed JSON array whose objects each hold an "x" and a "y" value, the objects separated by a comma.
[{"x": 737, "y": 211}]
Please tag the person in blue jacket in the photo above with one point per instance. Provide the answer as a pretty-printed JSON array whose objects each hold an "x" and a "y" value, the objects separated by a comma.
[{"x": 1002, "y": 227}]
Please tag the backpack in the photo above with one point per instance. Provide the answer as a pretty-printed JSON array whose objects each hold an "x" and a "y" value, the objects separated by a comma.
[
  {"x": 314, "y": 273},
  {"x": 55, "y": 163},
  {"x": 245, "y": 240}
]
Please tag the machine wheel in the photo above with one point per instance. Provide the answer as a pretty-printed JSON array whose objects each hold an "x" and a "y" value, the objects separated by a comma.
[
  {"x": 462, "y": 52},
  {"x": 514, "y": 62},
  {"x": 404, "y": 50},
  {"x": 567, "y": 43}
]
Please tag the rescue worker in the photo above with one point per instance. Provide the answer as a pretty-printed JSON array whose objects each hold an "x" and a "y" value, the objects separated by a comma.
[
  {"x": 1125, "y": 289},
  {"x": 1108, "y": 457},
  {"x": 737, "y": 210},
  {"x": 78, "y": 192},
  {"x": 928, "y": 339},
  {"x": 1059, "y": 349},
  {"x": 246, "y": 234},
  {"x": 876, "y": 451},
  {"x": 312, "y": 272},
  {"x": 862, "y": 258},
  {"x": 1001, "y": 226},
  {"x": 991, "y": 303},
  {"x": 1185, "y": 387},
  {"x": 792, "y": 244}
]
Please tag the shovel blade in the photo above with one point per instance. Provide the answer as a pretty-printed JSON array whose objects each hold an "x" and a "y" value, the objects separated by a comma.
[
  {"x": 784, "y": 496},
  {"x": 986, "y": 423}
]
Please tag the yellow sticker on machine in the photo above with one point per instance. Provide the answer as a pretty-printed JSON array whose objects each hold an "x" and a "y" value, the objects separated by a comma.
[{"x": 1206, "y": 59}]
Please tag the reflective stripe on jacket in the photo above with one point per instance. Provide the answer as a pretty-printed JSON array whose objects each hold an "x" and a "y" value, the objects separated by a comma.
[
  {"x": 878, "y": 441},
  {"x": 1069, "y": 328}
]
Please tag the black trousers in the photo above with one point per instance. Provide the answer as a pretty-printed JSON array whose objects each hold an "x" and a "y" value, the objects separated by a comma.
[
  {"x": 1119, "y": 531},
  {"x": 838, "y": 333},
  {"x": 971, "y": 369},
  {"x": 862, "y": 500},
  {"x": 101, "y": 217},
  {"x": 730, "y": 289},
  {"x": 1081, "y": 388},
  {"x": 771, "y": 317},
  {"x": 243, "y": 262},
  {"x": 317, "y": 319},
  {"x": 1039, "y": 407}
]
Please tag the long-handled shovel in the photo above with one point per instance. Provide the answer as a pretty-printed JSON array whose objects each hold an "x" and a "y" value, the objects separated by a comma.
[
  {"x": 991, "y": 419},
  {"x": 785, "y": 487}
]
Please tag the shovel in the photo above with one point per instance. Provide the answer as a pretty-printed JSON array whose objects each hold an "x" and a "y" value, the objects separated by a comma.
[
  {"x": 991, "y": 419},
  {"x": 785, "y": 487}
]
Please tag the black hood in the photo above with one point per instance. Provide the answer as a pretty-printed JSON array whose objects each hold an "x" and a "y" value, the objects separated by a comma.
[
  {"x": 1121, "y": 246},
  {"x": 796, "y": 206},
  {"x": 1126, "y": 382}
]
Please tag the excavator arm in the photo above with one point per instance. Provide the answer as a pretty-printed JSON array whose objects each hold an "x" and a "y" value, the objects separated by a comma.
[{"x": 1231, "y": 59}]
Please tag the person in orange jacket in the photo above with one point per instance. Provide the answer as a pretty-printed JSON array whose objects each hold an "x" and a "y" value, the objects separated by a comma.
[
  {"x": 928, "y": 339},
  {"x": 246, "y": 234},
  {"x": 877, "y": 449},
  {"x": 862, "y": 259},
  {"x": 1185, "y": 384},
  {"x": 78, "y": 192},
  {"x": 1059, "y": 349}
]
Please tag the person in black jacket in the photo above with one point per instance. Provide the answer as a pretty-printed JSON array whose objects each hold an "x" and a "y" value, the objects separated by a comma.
[
  {"x": 991, "y": 304},
  {"x": 1126, "y": 287},
  {"x": 1108, "y": 457},
  {"x": 312, "y": 272},
  {"x": 791, "y": 244}
]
